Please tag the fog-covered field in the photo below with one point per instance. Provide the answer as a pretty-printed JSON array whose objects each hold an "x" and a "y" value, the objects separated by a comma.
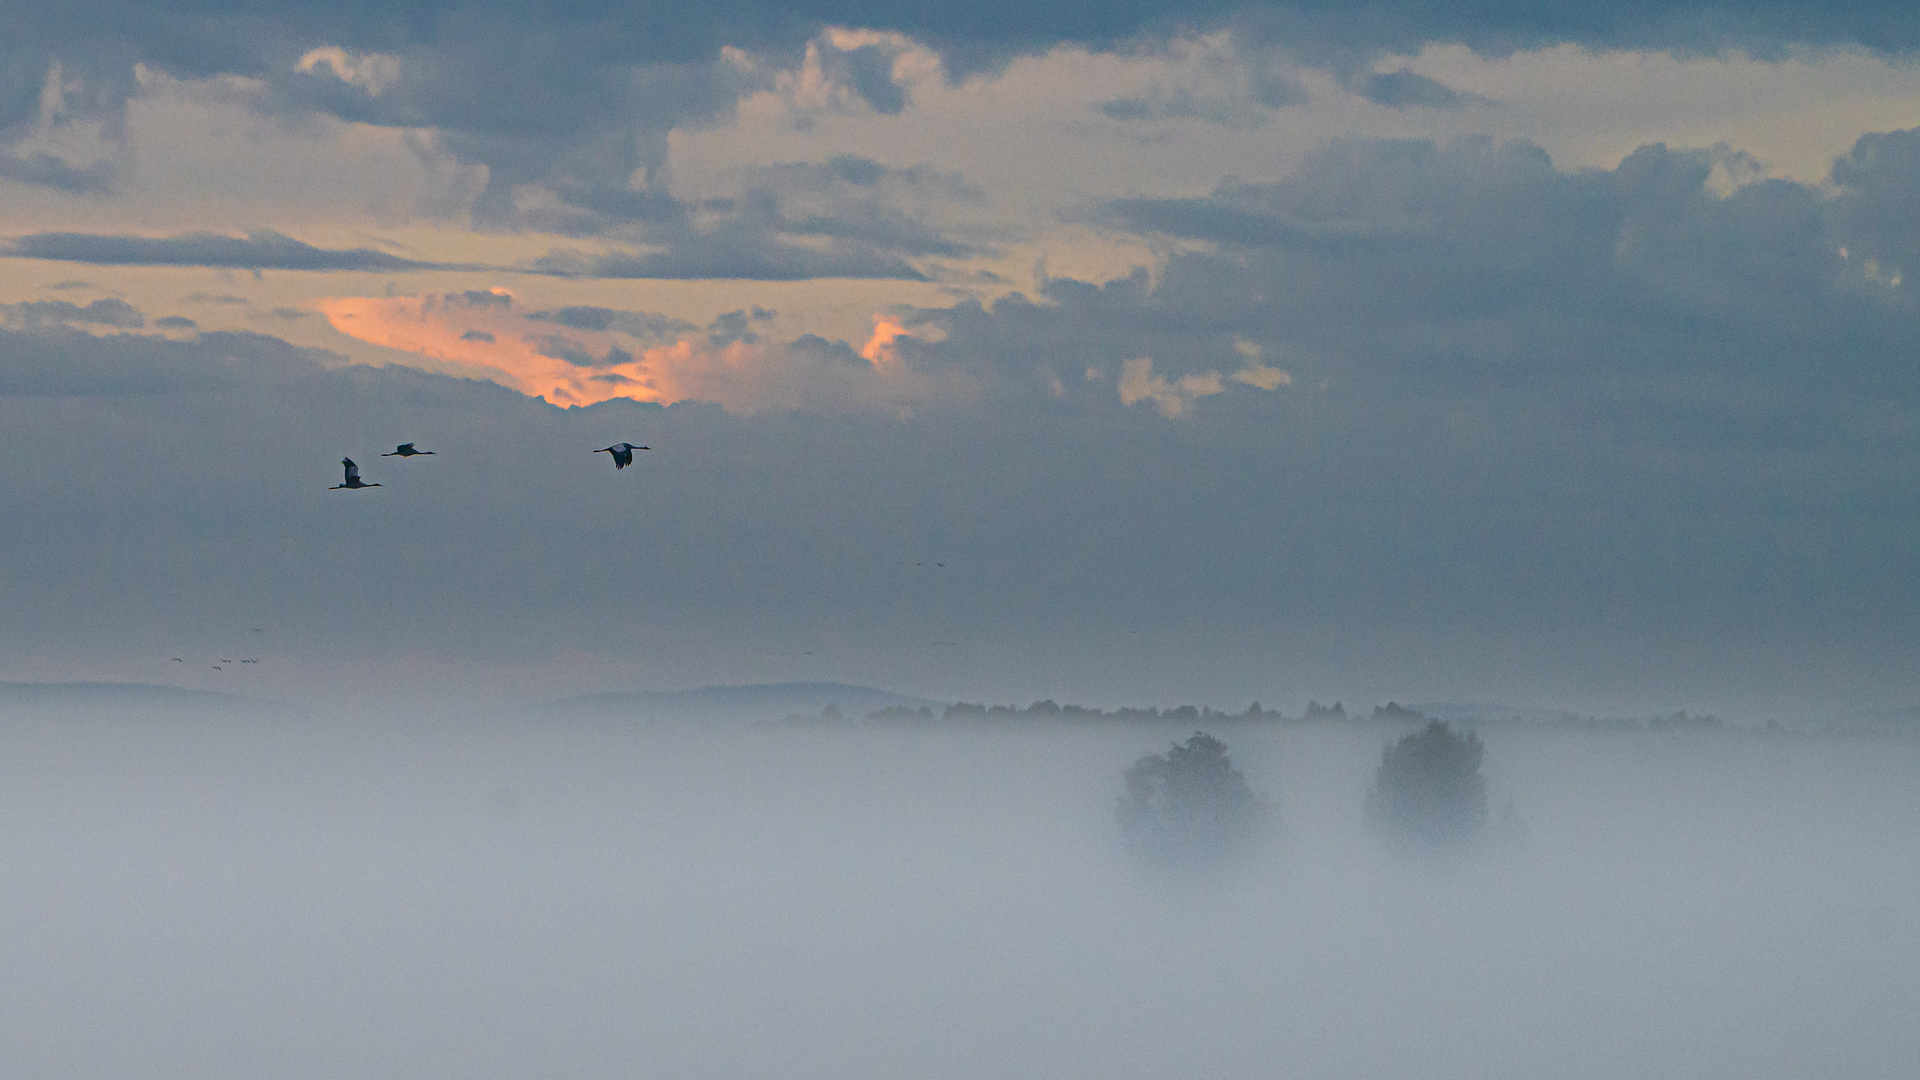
[{"x": 374, "y": 897}]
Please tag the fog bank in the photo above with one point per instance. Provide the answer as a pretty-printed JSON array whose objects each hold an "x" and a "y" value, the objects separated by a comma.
[{"x": 358, "y": 896}]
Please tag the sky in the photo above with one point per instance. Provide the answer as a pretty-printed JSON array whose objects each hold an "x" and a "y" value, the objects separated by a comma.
[{"x": 1118, "y": 353}]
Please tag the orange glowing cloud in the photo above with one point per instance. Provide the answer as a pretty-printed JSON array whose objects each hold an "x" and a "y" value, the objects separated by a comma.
[
  {"x": 570, "y": 366},
  {"x": 879, "y": 347}
]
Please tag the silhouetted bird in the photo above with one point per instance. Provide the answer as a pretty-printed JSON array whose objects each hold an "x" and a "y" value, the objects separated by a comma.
[
  {"x": 406, "y": 449},
  {"x": 353, "y": 477},
  {"x": 622, "y": 453}
]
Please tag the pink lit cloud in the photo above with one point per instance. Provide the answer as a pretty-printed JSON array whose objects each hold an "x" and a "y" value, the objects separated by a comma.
[{"x": 486, "y": 332}]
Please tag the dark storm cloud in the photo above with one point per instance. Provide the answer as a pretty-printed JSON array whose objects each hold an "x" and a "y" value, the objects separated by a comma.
[{"x": 261, "y": 250}]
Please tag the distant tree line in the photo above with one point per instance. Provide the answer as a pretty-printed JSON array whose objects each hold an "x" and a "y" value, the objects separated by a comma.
[{"x": 1315, "y": 713}]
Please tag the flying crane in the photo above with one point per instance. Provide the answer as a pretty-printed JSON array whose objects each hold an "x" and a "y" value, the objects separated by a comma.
[
  {"x": 353, "y": 477},
  {"x": 622, "y": 453}
]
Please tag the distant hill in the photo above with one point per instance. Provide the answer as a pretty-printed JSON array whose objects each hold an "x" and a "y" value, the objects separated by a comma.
[
  {"x": 1903, "y": 721},
  {"x": 17, "y": 698},
  {"x": 1523, "y": 714},
  {"x": 758, "y": 703},
  {"x": 1527, "y": 716}
]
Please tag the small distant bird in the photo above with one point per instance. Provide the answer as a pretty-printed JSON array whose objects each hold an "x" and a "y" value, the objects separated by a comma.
[
  {"x": 177, "y": 660},
  {"x": 622, "y": 453},
  {"x": 405, "y": 449},
  {"x": 353, "y": 477}
]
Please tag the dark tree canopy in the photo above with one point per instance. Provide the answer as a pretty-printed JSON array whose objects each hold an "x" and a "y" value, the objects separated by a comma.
[
  {"x": 1188, "y": 802},
  {"x": 1429, "y": 791}
]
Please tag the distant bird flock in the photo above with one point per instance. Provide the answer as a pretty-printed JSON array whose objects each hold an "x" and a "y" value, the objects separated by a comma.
[{"x": 622, "y": 457}]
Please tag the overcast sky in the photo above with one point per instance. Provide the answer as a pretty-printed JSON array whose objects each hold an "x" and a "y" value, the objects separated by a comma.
[{"x": 1546, "y": 354}]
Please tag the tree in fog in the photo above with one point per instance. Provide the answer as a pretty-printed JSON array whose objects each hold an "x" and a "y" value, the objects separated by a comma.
[
  {"x": 1189, "y": 801},
  {"x": 1429, "y": 791}
]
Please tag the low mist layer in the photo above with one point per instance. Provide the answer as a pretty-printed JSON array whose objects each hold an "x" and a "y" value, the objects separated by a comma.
[{"x": 312, "y": 897}]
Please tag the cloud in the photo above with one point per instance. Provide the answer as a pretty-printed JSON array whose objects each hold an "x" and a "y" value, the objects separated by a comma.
[
  {"x": 60, "y": 361},
  {"x": 45, "y": 170},
  {"x": 1877, "y": 218},
  {"x": 734, "y": 255},
  {"x": 580, "y": 106},
  {"x": 1263, "y": 377},
  {"x": 34, "y": 314},
  {"x": 1404, "y": 89},
  {"x": 1138, "y": 383},
  {"x": 735, "y": 326},
  {"x": 869, "y": 70},
  {"x": 260, "y": 250},
  {"x": 849, "y": 217},
  {"x": 1221, "y": 78},
  {"x": 729, "y": 365},
  {"x": 175, "y": 322},
  {"x": 843, "y": 71},
  {"x": 645, "y": 325},
  {"x": 1650, "y": 294}
]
